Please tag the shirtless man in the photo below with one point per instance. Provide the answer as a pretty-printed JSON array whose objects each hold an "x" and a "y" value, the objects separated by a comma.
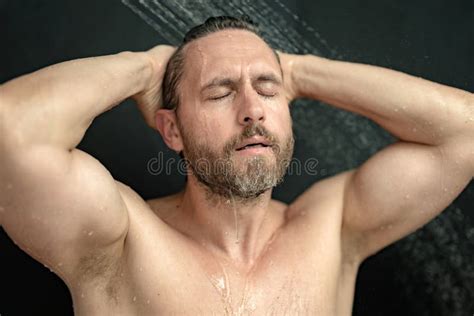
[{"x": 222, "y": 245}]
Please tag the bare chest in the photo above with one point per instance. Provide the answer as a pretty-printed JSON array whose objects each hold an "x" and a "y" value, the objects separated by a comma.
[{"x": 295, "y": 276}]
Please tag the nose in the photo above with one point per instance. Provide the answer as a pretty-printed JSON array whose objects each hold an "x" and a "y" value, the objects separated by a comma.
[{"x": 251, "y": 109}]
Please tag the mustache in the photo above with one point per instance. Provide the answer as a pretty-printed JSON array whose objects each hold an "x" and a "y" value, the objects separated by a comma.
[{"x": 249, "y": 131}]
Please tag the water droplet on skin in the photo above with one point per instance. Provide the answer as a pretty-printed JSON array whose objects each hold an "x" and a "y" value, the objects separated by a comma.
[
  {"x": 134, "y": 298},
  {"x": 147, "y": 302},
  {"x": 90, "y": 233},
  {"x": 140, "y": 269},
  {"x": 82, "y": 295},
  {"x": 414, "y": 129},
  {"x": 396, "y": 110},
  {"x": 253, "y": 305},
  {"x": 407, "y": 196},
  {"x": 445, "y": 189},
  {"x": 220, "y": 283},
  {"x": 60, "y": 264},
  {"x": 9, "y": 186},
  {"x": 2, "y": 209}
]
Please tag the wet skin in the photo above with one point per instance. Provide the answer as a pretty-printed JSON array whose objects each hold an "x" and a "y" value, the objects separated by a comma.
[
  {"x": 186, "y": 254},
  {"x": 195, "y": 253}
]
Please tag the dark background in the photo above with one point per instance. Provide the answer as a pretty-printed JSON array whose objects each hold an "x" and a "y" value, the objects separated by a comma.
[{"x": 430, "y": 272}]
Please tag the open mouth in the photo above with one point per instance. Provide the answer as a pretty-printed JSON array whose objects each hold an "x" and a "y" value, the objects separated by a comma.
[{"x": 256, "y": 145}]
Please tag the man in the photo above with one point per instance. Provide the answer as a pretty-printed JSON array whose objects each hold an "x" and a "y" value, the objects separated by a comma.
[{"x": 222, "y": 245}]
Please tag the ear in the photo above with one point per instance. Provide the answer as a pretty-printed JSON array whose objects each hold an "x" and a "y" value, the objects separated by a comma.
[{"x": 165, "y": 121}]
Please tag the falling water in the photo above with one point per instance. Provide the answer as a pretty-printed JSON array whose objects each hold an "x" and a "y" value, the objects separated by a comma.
[{"x": 436, "y": 259}]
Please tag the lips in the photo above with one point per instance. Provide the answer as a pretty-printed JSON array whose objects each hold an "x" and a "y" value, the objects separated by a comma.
[
  {"x": 253, "y": 142},
  {"x": 252, "y": 145}
]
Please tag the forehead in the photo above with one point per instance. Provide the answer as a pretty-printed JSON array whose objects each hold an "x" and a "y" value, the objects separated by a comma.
[{"x": 229, "y": 51}]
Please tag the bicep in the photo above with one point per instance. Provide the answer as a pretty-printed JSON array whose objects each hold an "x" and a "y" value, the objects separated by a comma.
[
  {"x": 400, "y": 189},
  {"x": 59, "y": 204}
]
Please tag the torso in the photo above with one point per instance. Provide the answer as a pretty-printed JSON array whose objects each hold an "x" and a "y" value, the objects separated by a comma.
[{"x": 301, "y": 271}]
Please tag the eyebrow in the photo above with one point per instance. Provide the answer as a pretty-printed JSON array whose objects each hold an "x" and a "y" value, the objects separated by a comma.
[
  {"x": 229, "y": 82},
  {"x": 219, "y": 82},
  {"x": 269, "y": 77}
]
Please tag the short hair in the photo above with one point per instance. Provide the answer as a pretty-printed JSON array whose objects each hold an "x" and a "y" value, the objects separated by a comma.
[{"x": 175, "y": 67}]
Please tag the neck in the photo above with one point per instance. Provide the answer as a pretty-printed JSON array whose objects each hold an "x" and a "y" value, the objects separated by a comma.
[{"x": 230, "y": 227}]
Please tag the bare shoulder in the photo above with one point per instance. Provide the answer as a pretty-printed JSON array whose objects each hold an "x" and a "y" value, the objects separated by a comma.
[
  {"x": 151, "y": 211},
  {"x": 131, "y": 198},
  {"x": 319, "y": 212},
  {"x": 165, "y": 207},
  {"x": 323, "y": 196}
]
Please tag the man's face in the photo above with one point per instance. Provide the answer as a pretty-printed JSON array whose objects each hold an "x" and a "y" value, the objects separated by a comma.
[{"x": 232, "y": 96}]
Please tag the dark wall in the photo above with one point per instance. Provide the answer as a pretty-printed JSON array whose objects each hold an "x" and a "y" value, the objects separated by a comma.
[{"x": 431, "y": 272}]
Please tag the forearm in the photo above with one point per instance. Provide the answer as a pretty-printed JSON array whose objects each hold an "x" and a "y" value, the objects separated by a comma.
[
  {"x": 411, "y": 108},
  {"x": 56, "y": 105}
]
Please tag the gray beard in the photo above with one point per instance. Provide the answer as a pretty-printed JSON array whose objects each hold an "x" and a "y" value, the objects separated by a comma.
[{"x": 222, "y": 177}]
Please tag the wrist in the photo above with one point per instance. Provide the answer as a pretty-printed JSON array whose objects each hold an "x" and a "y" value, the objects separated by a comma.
[
  {"x": 142, "y": 69},
  {"x": 294, "y": 66},
  {"x": 287, "y": 64},
  {"x": 308, "y": 75}
]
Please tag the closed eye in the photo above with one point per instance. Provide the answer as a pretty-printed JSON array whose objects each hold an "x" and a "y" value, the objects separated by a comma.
[
  {"x": 268, "y": 95},
  {"x": 267, "y": 88},
  {"x": 219, "y": 97}
]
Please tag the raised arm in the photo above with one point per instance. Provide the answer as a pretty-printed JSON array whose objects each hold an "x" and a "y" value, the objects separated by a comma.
[
  {"x": 408, "y": 183},
  {"x": 56, "y": 202}
]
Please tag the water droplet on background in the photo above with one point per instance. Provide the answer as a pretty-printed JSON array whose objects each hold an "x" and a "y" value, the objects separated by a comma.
[{"x": 419, "y": 250}]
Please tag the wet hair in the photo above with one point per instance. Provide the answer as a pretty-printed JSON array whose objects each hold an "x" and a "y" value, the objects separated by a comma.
[{"x": 175, "y": 67}]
